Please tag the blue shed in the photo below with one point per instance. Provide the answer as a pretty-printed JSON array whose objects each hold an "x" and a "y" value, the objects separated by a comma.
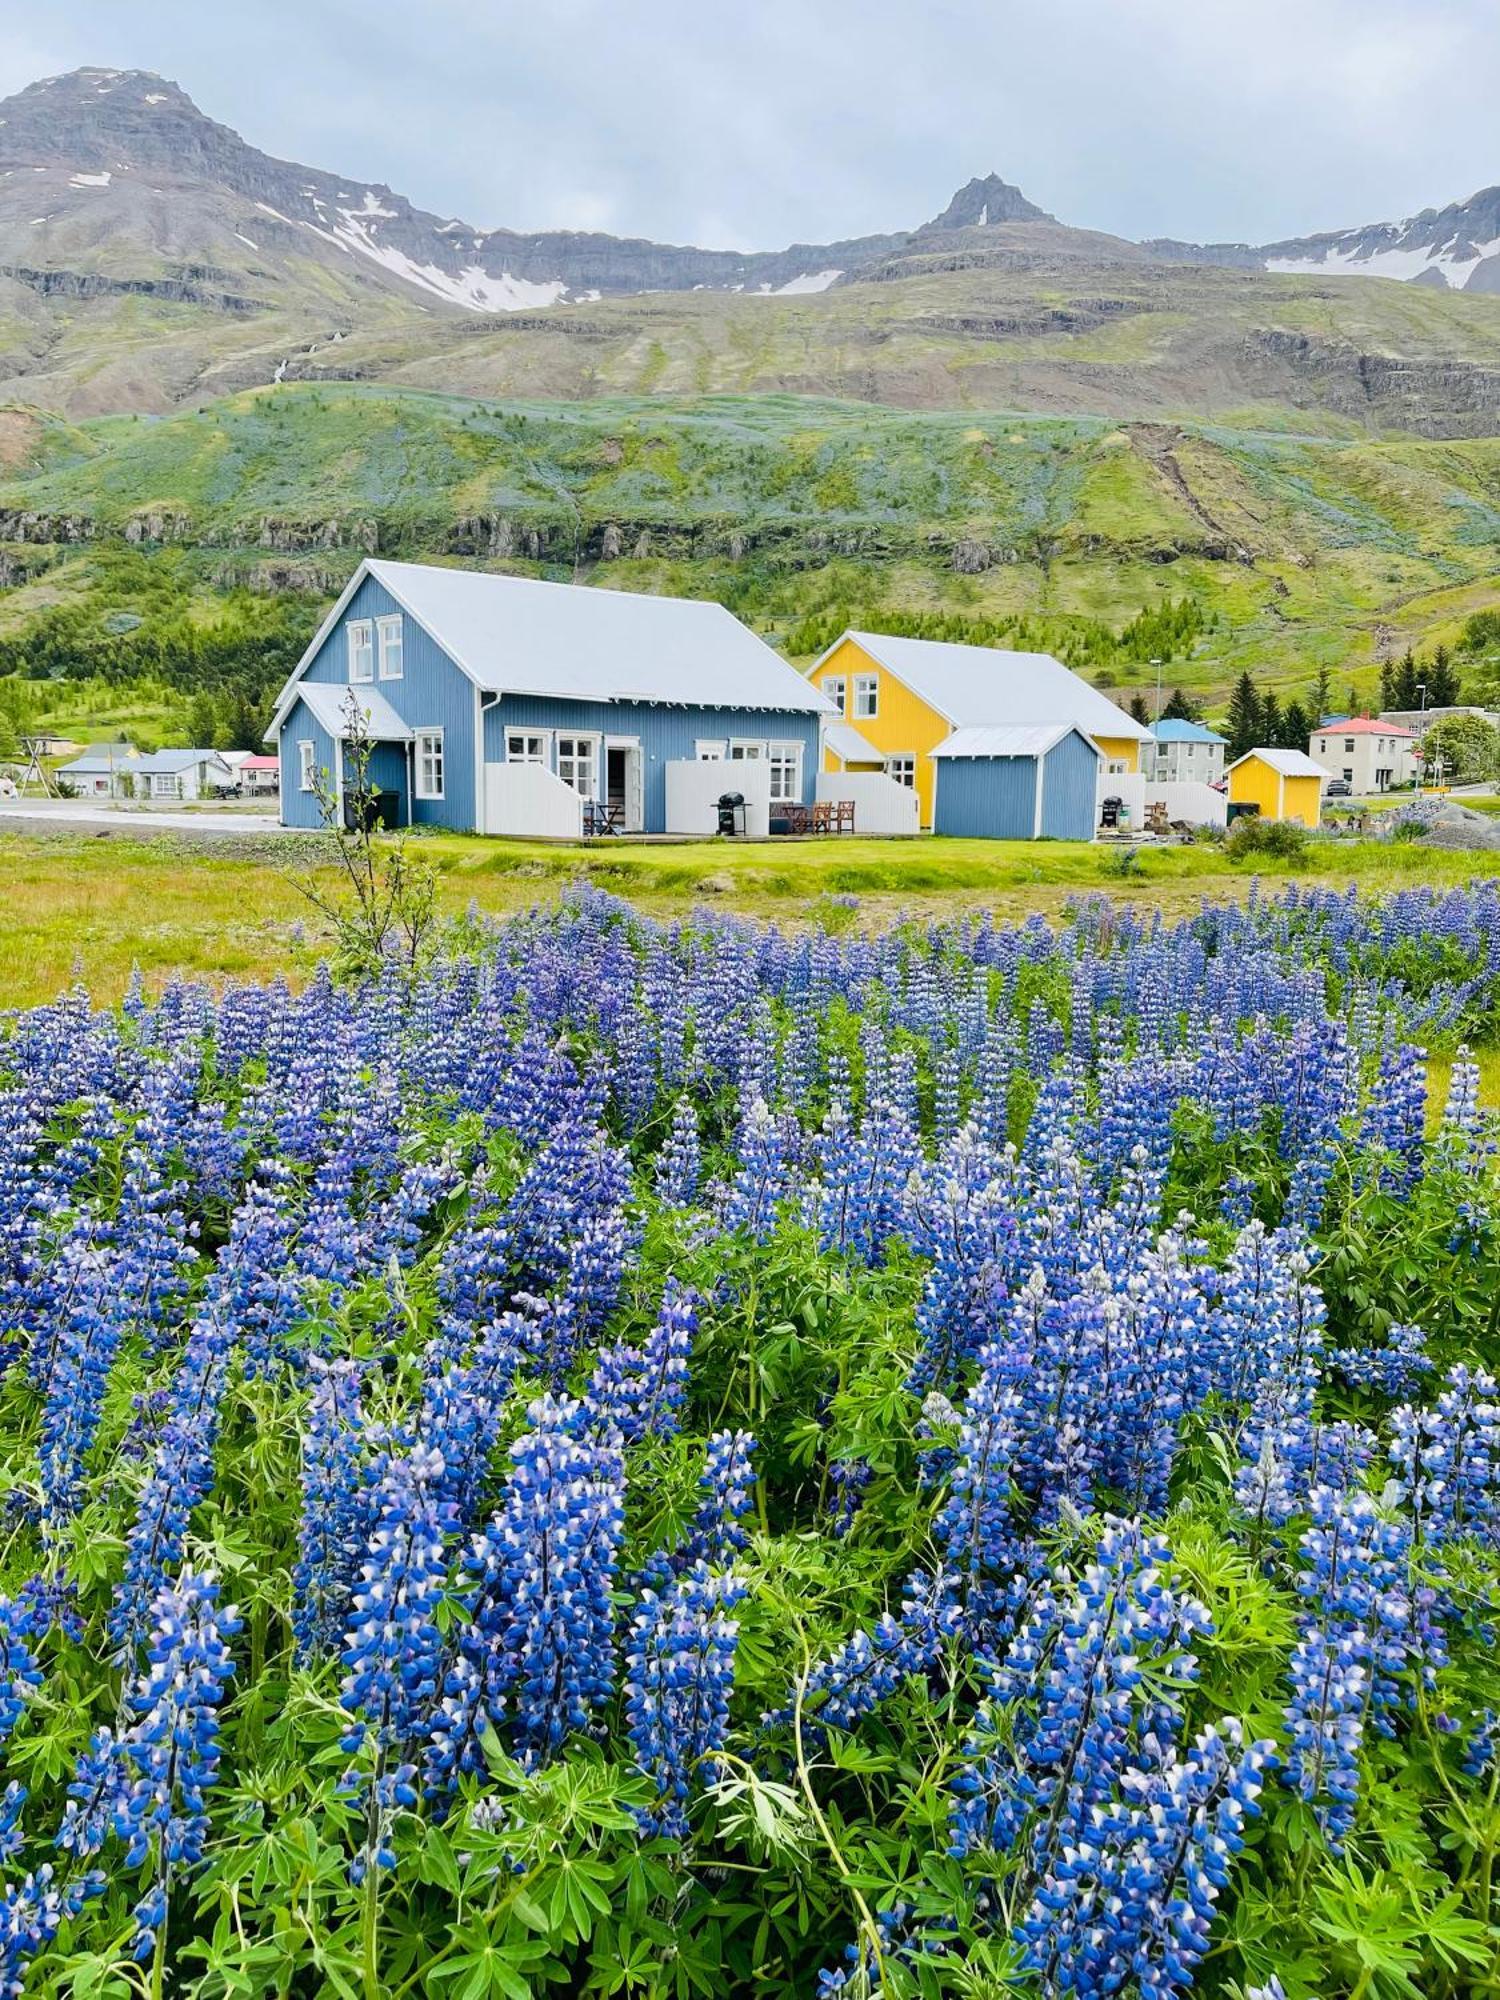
[
  {"x": 1027, "y": 782},
  {"x": 499, "y": 704}
]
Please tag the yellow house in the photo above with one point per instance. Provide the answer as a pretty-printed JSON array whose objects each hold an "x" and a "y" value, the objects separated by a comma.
[
  {"x": 898, "y": 699},
  {"x": 1285, "y": 784}
]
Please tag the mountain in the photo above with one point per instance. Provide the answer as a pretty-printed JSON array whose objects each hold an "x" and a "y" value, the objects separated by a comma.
[{"x": 152, "y": 259}]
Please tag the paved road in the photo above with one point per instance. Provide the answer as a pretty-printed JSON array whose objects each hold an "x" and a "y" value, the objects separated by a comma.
[{"x": 20, "y": 815}]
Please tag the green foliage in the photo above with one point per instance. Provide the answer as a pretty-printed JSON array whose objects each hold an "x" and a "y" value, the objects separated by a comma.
[
  {"x": 1465, "y": 749},
  {"x": 1254, "y": 839}
]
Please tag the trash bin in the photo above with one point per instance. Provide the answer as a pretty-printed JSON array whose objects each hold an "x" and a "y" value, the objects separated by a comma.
[
  {"x": 731, "y": 810},
  {"x": 382, "y": 809}
]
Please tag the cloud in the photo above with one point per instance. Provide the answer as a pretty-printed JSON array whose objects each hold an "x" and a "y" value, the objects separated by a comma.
[{"x": 815, "y": 119}]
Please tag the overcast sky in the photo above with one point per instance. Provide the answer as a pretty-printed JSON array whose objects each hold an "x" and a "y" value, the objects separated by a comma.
[{"x": 751, "y": 123}]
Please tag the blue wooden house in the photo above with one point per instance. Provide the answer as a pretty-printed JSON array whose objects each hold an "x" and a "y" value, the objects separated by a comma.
[
  {"x": 497, "y": 704},
  {"x": 1026, "y": 781}
]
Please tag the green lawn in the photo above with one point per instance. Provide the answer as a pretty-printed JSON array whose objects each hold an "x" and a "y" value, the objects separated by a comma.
[{"x": 94, "y": 907}]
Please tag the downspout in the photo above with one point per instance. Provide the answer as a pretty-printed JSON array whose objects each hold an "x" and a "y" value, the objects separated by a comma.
[
  {"x": 483, "y": 703},
  {"x": 411, "y": 780},
  {"x": 1041, "y": 783}
]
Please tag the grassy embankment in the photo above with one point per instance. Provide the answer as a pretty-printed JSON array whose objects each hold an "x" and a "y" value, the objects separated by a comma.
[
  {"x": 1299, "y": 551},
  {"x": 91, "y": 907}
]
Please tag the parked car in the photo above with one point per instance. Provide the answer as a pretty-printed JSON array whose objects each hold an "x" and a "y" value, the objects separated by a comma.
[{"x": 1337, "y": 788}]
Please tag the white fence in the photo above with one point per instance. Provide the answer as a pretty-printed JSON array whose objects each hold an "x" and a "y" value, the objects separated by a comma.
[
  {"x": 880, "y": 804},
  {"x": 693, "y": 789},
  {"x": 1197, "y": 804},
  {"x": 527, "y": 799}
]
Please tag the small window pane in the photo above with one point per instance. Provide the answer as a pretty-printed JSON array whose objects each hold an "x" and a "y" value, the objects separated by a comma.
[
  {"x": 578, "y": 764},
  {"x": 307, "y": 765},
  {"x": 786, "y": 771},
  {"x": 525, "y": 746},
  {"x": 866, "y": 695},
  {"x": 389, "y": 632},
  {"x": 429, "y": 749},
  {"x": 361, "y": 650}
]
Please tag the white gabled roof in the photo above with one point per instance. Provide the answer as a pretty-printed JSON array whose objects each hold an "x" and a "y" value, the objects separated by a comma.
[
  {"x": 846, "y": 742},
  {"x": 513, "y": 635},
  {"x": 329, "y": 705},
  {"x": 1013, "y": 740},
  {"x": 984, "y": 686},
  {"x": 1290, "y": 763}
]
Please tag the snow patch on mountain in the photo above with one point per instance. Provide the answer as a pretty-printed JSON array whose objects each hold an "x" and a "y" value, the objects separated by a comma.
[{"x": 100, "y": 180}]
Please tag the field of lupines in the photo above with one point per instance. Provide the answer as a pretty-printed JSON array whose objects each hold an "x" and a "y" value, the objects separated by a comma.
[{"x": 685, "y": 1460}]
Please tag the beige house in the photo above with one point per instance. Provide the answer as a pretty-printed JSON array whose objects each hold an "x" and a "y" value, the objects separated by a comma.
[{"x": 1370, "y": 756}]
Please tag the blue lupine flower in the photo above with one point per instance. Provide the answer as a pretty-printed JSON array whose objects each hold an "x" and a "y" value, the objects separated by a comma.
[
  {"x": 21, "y": 1631},
  {"x": 640, "y": 1391},
  {"x": 168, "y": 1754},
  {"x": 679, "y": 1673},
  {"x": 335, "y": 1497},
  {"x": 544, "y": 1569}
]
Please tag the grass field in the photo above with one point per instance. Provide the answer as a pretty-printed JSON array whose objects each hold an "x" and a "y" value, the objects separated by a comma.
[{"x": 97, "y": 906}]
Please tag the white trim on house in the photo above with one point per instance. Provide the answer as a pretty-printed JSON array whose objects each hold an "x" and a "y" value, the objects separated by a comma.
[
  {"x": 594, "y": 739},
  {"x": 710, "y": 749},
  {"x": 541, "y": 737},
  {"x": 307, "y": 764}
]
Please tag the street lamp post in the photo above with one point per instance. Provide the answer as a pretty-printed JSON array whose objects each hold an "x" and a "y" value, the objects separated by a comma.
[{"x": 1158, "y": 666}]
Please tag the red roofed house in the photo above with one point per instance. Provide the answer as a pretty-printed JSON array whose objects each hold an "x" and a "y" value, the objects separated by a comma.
[
  {"x": 1372, "y": 756},
  {"x": 260, "y": 776}
]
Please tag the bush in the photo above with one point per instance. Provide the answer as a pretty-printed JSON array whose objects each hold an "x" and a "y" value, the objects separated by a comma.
[{"x": 1266, "y": 840}]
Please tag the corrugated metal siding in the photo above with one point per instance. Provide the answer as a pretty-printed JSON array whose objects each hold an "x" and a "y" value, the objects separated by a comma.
[
  {"x": 986, "y": 798},
  {"x": 1070, "y": 785},
  {"x": 431, "y": 694},
  {"x": 666, "y": 735}
]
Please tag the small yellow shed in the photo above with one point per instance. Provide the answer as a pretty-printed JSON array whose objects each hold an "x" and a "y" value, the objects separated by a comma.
[{"x": 1285, "y": 784}]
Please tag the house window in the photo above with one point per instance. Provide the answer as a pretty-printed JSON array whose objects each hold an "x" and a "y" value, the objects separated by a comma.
[
  {"x": 307, "y": 768},
  {"x": 1348, "y": 746},
  {"x": 746, "y": 753},
  {"x": 164, "y": 784},
  {"x": 361, "y": 649},
  {"x": 1116, "y": 767},
  {"x": 786, "y": 770},
  {"x": 1348, "y": 775},
  {"x": 903, "y": 770},
  {"x": 709, "y": 752},
  {"x": 866, "y": 695},
  {"x": 578, "y": 764},
  {"x": 429, "y": 763},
  {"x": 836, "y": 689},
  {"x": 388, "y": 633},
  {"x": 526, "y": 746}
]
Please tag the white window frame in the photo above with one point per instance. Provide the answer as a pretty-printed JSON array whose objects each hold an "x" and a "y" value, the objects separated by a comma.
[
  {"x": 165, "y": 785},
  {"x": 901, "y": 767},
  {"x": 710, "y": 749},
  {"x": 1115, "y": 768},
  {"x": 360, "y": 638},
  {"x": 785, "y": 761},
  {"x": 424, "y": 759},
  {"x": 542, "y": 738},
  {"x": 866, "y": 689},
  {"x": 836, "y": 687},
  {"x": 594, "y": 760},
  {"x": 390, "y": 639},
  {"x": 747, "y": 749},
  {"x": 307, "y": 764}
]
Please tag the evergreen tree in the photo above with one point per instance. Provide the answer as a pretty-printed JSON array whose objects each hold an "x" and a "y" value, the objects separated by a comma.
[
  {"x": 1243, "y": 725},
  {"x": 1387, "y": 684},
  {"x": 1405, "y": 684},
  {"x": 1322, "y": 694},
  {"x": 1296, "y": 726},
  {"x": 1139, "y": 711},
  {"x": 1270, "y": 722},
  {"x": 1442, "y": 680},
  {"x": 1181, "y": 708}
]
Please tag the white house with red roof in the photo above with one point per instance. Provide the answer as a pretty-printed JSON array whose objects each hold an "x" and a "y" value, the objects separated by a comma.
[{"x": 1370, "y": 754}]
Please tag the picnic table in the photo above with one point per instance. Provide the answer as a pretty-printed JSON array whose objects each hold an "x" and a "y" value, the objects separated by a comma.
[{"x": 827, "y": 816}]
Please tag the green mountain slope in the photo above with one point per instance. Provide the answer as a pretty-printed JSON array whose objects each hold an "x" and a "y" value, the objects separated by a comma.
[{"x": 1294, "y": 551}]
